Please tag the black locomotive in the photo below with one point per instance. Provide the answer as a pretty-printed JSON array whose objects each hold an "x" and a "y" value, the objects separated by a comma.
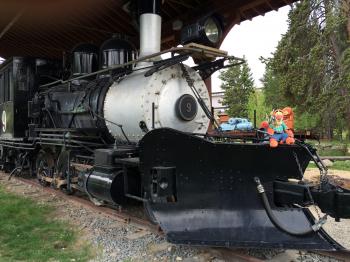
[{"x": 121, "y": 127}]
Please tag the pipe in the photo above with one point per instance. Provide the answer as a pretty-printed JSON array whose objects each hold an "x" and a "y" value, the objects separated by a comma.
[
  {"x": 150, "y": 34},
  {"x": 275, "y": 220},
  {"x": 150, "y": 27},
  {"x": 148, "y": 7}
]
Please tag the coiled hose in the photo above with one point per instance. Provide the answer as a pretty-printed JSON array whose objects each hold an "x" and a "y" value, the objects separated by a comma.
[{"x": 275, "y": 220}]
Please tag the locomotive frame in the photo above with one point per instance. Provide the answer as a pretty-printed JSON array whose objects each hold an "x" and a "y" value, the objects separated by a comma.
[{"x": 202, "y": 189}]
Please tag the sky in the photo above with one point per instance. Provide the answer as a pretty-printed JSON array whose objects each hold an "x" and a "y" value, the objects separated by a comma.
[{"x": 255, "y": 38}]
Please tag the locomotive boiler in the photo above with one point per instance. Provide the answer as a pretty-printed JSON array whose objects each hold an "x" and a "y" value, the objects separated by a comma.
[{"x": 127, "y": 125}]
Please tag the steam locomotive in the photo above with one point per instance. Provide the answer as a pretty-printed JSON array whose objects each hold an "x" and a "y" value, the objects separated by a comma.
[{"x": 123, "y": 126}]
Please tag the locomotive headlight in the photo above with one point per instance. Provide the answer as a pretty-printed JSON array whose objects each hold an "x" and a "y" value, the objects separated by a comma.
[
  {"x": 212, "y": 30},
  {"x": 207, "y": 31}
]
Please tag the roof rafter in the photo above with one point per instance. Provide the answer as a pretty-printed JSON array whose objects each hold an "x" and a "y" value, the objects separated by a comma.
[{"x": 12, "y": 22}]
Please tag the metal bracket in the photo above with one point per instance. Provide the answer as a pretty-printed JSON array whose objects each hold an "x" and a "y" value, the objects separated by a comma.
[{"x": 163, "y": 184}]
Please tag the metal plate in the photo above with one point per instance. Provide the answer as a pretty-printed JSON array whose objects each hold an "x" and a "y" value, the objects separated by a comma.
[{"x": 216, "y": 201}]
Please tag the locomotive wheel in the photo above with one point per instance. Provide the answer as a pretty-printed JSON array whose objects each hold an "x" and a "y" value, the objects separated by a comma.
[
  {"x": 44, "y": 165},
  {"x": 9, "y": 161}
]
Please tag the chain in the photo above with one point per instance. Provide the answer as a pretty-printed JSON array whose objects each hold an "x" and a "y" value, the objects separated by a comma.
[
  {"x": 323, "y": 170},
  {"x": 200, "y": 100},
  {"x": 318, "y": 161},
  {"x": 313, "y": 203}
]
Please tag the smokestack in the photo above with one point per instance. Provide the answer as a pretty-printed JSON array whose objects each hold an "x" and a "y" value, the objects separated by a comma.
[{"x": 150, "y": 26}]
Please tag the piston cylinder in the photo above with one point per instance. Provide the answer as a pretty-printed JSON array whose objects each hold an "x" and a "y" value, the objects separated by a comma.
[{"x": 106, "y": 186}]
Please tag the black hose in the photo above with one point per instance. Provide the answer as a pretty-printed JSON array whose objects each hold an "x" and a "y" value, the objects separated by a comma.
[
  {"x": 272, "y": 216},
  {"x": 277, "y": 223}
]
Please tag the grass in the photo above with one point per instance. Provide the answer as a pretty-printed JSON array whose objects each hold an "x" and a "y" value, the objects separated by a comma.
[
  {"x": 29, "y": 233},
  {"x": 331, "y": 148},
  {"x": 341, "y": 165},
  {"x": 337, "y": 165},
  {"x": 332, "y": 152}
]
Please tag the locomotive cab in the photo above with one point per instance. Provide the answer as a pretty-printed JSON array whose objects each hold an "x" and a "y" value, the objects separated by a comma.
[{"x": 19, "y": 80}]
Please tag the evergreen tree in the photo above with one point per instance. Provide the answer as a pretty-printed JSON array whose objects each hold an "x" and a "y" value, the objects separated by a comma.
[
  {"x": 257, "y": 103},
  {"x": 238, "y": 83},
  {"x": 310, "y": 68}
]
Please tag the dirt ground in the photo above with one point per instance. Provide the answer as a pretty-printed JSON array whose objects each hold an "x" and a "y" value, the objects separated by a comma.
[{"x": 340, "y": 177}]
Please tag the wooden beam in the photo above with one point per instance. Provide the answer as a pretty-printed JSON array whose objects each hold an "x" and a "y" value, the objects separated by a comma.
[
  {"x": 252, "y": 4},
  {"x": 257, "y": 12},
  {"x": 12, "y": 22},
  {"x": 271, "y": 6},
  {"x": 168, "y": 39},
  {"x": 287, "y": 2},
  {"x": 91, "y": 28},
  {"x": 183, "y": 3}
]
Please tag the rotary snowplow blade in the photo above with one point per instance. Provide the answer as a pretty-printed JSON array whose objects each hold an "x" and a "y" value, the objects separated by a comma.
[{"x": 203, "y": 193}]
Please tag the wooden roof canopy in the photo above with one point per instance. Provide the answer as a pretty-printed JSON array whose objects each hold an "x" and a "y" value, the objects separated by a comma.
[{"x": 48, "y": 28}]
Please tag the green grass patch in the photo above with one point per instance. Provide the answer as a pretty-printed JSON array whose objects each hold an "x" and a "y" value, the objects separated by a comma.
[
  {"x": 311, "y": 164},
  {"x": 341, "y": 165},
  {"x": 337, "y": 165},
  {"x": 332, "y": 152},
  {"x": 331, "y": 148},
  {"x": 28, "y": 232}
]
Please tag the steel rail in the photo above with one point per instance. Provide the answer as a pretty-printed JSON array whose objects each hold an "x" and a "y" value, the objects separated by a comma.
[
  {"x": 342, "y": 255},
  {"x": 118, "y": 215}
]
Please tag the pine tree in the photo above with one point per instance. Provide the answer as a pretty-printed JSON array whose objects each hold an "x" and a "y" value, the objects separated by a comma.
[
  {"x": 238, "y": 83},
  {"x": 310, "y": 68}
]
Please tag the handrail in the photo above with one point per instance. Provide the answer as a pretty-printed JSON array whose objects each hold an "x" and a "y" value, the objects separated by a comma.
[{"x": 144, "y": 59}]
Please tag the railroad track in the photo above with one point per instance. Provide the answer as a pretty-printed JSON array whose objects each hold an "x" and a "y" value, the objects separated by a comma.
[
  {"x": 126, "y": 217},
  {"x": 343, "y": 255},
  {"x": 119, "y": 215}
]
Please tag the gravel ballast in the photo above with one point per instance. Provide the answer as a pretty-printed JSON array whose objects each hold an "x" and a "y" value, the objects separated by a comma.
[{"x": 118, "y": 241}]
